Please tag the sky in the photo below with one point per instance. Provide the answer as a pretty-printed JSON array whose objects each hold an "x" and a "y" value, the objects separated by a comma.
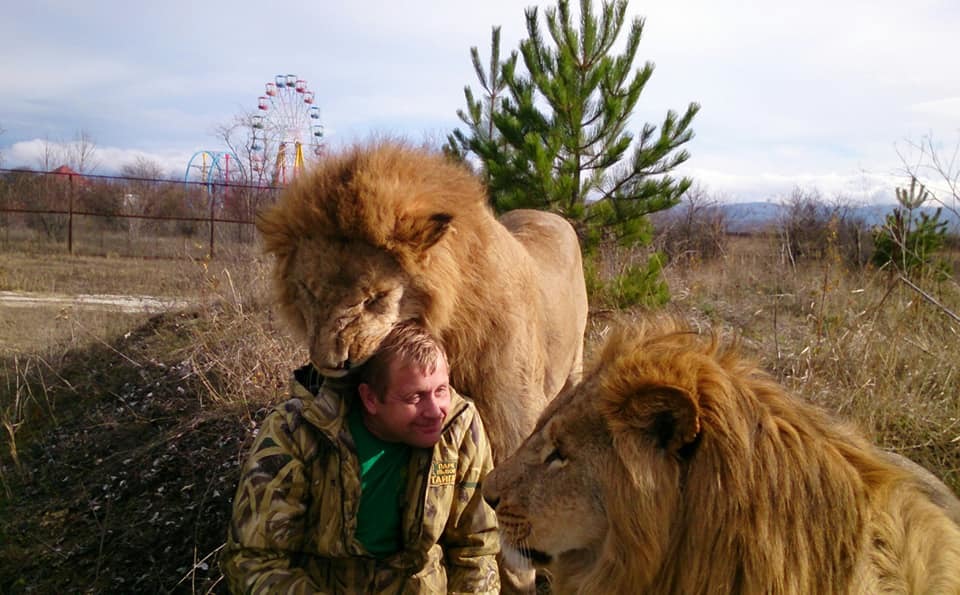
[{"x": 821, "y": 95}]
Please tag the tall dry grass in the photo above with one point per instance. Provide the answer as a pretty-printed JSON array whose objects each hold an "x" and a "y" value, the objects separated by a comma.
[
  {"x": 232, "y": 349},
  {"x": 863, "y": 343},
  {"x": 147, "y": 386},
  {"x": 239, "y": 352}
]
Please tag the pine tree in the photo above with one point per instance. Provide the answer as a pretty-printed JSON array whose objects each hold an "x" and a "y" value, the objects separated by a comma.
[
  {"x": 557, "y": 139},
  {"x": 908, "y": 242},
  {"x": 479, "y": 113}
]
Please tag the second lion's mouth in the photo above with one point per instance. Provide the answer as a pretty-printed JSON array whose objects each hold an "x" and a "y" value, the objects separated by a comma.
[
  {"x": 536, "y": 556},
  {"x": 526, "y": 555}
]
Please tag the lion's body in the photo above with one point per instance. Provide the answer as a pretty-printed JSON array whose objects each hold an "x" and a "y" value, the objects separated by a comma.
[
  {"x": 677, "y": 466},
  {"x": 385, "y": 233}
]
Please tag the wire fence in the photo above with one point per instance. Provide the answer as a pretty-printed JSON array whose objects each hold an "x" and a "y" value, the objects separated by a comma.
[{"x": 126, "y": 216}]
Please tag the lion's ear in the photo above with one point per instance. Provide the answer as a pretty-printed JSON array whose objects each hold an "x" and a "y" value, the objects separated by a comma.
[
  {"x": 422, "y": 232},
  {"x": 278, "y": 237},
  {"x": 667, "y": 415}
]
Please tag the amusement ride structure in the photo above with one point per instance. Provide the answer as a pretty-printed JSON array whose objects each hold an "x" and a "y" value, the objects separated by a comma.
[
  {"x": 212, "y": 168},
  {"x": 285, "y": 128},
  {"x": 285, "y": 134}
]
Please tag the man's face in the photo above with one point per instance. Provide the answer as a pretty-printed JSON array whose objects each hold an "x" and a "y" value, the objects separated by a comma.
[{"x": 414, "y": 406}]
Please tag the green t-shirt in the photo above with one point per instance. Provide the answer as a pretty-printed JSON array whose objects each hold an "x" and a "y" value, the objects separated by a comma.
[{"x": 383, "y": 482}]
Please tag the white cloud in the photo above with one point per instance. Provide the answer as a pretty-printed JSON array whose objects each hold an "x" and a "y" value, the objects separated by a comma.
[
  {"x": 26, "y": 154},
  {"x": 859, "y": 188},
  {"x": 38, "y": 154},
  {"x": 948, "y": 107}
]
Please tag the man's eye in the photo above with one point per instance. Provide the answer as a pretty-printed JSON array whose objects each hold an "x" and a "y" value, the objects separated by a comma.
[{"x": 412, "y": 399}]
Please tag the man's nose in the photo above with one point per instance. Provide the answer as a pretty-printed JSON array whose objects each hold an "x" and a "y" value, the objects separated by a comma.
[{"x": 431, "y": 407}]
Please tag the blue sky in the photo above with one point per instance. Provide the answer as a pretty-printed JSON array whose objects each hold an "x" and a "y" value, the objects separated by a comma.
[{"x": 819, "y": 94}]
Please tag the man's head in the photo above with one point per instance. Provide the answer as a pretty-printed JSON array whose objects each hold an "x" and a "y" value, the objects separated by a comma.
[{"x": 404, "y": 388}]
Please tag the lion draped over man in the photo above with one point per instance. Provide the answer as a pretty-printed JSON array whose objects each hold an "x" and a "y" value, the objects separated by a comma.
[
  {"x": 386, "y": 232},
  {"x": 677, "y": 466}
]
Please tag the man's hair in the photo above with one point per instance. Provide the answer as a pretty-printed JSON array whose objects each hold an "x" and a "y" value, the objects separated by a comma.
[{"x": 408, "y": 343}]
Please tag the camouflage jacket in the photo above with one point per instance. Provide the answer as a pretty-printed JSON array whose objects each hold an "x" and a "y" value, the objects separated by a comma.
[{"x": 294, "y": 513}]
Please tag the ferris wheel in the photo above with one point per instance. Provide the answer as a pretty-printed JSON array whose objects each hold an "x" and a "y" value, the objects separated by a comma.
[{"x": 286, "y": 129}]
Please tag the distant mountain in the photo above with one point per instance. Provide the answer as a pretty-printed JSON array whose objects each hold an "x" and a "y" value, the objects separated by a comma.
[{"x": 757, "y": 216}]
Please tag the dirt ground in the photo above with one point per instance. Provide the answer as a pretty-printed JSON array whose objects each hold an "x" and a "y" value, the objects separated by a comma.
[
  {"x": 122, "y": 475},
  {"x": 119, "y": 442}
]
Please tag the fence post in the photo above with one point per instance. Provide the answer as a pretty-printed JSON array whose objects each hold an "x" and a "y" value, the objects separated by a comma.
[
  {"x": 212, "y": 204},
  {"x": 70, "y": 218}
]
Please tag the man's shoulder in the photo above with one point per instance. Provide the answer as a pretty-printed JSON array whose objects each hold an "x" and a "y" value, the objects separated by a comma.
[
  {"x": 319, "y": 400},
  {"x": 286, "y": 416},
  {"x": 306, "y": 381},
  {"x": 461, "y": 405},
  {"x": 465, "y": 420}
]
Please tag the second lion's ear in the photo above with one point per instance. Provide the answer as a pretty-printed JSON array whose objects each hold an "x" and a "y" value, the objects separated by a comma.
[
  {"x": 421, "y": 233},
  {"x": 667, "y": 416}
]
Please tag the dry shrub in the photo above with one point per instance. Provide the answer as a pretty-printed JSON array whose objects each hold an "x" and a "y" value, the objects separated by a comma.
[
  {"x": 239, "y": 353},
  {"x": 862, "y": 345},
  {"x": 891, "y": 360},
  {"x": 695, "y": 230},
  {"x": 810, "y": 228}
]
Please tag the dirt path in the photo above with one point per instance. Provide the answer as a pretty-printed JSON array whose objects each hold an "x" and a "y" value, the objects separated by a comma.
[{"x": 124, "y": 303}]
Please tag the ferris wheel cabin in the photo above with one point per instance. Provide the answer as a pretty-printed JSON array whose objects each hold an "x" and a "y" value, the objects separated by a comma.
[{"x": 287, "y": 121}]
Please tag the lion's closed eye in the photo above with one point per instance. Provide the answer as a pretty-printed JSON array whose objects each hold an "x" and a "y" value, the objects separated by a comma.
[
  {"x": 372, "y": 301},
  {"x": 555, "y": 458}
]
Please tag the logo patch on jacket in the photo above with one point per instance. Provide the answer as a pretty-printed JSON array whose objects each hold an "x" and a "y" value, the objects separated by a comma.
[{"x": 443, "y": 473}]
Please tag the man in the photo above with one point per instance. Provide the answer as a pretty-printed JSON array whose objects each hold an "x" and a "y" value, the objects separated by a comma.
[{"x": 367, "y": 485}]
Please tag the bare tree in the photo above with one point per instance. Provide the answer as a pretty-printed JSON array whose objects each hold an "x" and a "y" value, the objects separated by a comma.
[
  {"x": 814, "y": 228},
  {"x": 58, "y": 192},
  {"x": 142, "y": 167},
  {"x": 236, "y": 136},
  {"x": 148, "y": 194},
  {"x": 937, "y": 166},
  {"x": 139, "y": 194},
  {"x": 80, "y": 154},
  {"x": 693, "y": 231},
  {"x": 49, "y": 195},
  {"x": 256, "y": 165},
  {"x": 49, "y": 156}
]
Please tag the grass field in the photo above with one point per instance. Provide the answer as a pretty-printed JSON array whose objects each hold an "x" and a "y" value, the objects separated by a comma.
[{"x": 122, "y": 434}]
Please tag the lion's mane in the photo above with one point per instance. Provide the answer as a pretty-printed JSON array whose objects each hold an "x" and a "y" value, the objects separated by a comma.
[
  {"x": 383, "y": 232},
  {"x": 678, "y": 466}
]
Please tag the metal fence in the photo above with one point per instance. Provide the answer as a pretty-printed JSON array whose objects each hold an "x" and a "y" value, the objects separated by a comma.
[{"x": 112, "y": 215}]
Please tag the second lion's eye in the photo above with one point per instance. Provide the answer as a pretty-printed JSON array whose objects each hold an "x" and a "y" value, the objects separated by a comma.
[{"x": 304, "y": 288}]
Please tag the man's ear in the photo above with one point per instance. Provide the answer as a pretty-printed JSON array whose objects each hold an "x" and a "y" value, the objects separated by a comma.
[{"x": 368, "y": 398}]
